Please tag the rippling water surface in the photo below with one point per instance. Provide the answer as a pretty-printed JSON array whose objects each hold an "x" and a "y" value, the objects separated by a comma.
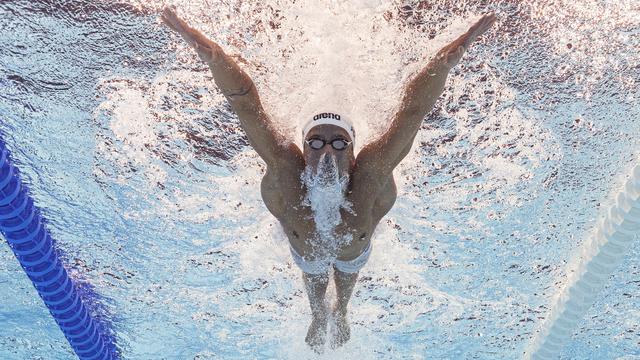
[{"x": 152, "y": 191}]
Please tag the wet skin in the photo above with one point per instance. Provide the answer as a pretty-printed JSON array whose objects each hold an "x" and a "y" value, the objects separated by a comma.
[{"x": 371, "y": 189}]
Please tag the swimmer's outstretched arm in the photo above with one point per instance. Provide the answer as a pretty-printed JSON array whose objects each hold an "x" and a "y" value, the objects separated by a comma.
[
  {"x": 381, "y": 156},
  {"x": 240, "y": 91}
]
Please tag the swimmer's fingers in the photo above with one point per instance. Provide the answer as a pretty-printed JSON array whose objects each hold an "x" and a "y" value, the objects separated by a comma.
[
  {"x": 451, "y": 54},
  {"x": 479, "y": 28},
  {"x": 191, "y": 35},
  {"x": 206, "y": 48},
  {"x": 167, "y": 17},
  {"x": 172, "y": 20}
]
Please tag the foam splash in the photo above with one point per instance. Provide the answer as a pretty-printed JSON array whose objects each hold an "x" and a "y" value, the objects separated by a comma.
[
  {"x": 326, "y": 196},
  {"x": 301, "y": 54}
]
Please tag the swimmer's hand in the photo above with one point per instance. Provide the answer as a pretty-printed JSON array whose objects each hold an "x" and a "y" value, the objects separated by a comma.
[
  {"x": 451, "y": 54},
  {"x": 208, "y": 50}
]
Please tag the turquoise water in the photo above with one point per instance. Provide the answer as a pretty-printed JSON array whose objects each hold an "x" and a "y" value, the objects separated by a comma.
[{"x": 152, "y": 191}]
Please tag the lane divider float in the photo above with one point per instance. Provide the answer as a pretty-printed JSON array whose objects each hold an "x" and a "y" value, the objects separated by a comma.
[
  {"x": 598, "y": 258},
  {"x": 22, "y": 226}
]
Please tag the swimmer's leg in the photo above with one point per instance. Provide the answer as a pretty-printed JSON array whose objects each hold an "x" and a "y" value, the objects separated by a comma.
[
  {"x": 345, "y": 282},
  {"x": 316, "y": 286}
]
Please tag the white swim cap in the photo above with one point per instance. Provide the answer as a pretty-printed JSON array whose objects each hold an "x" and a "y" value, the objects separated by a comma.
[{"x": 329, "y": 118}]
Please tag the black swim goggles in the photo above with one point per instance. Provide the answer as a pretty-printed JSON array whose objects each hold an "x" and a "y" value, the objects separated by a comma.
[{"x": 317, "y": 144}]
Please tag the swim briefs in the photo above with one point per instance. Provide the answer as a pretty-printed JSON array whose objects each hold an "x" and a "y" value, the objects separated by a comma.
[{"x": 321, "y": 266}]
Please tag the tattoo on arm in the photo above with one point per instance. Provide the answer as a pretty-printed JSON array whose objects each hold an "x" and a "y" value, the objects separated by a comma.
[{"x": 238, "y": 92}]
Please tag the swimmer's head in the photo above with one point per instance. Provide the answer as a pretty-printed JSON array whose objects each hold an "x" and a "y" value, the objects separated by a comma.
[
  {"x": 329, "y": 119},
  {"x": 337, "y": 134}
]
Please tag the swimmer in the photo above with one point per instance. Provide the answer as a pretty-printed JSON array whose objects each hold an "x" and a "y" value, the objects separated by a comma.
[{"x": 324, "y": 191}]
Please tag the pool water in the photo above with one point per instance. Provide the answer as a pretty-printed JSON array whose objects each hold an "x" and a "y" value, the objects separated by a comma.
[{"x": 152, "y": 192}]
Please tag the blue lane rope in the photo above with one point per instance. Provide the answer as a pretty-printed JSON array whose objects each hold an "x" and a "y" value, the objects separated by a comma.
[{"x": 23, "y": 228}]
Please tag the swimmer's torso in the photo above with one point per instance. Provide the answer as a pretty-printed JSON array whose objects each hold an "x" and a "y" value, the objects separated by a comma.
[{"x": 371, "y": 199}]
